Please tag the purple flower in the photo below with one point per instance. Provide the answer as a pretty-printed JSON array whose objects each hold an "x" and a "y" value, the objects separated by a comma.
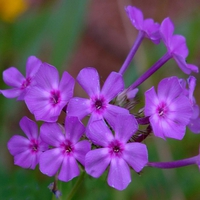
[
  {"x": 17, "y": 81},
  {"x": 169, "y": 110},
  {"x": 98, "y": 104},
  {"x": 66, "y": 149},
  {"x": 115, "y": 152},
  {"x": 176, "y": 46},
  {"x": 148, "y": 26},
  {"x": 48, "y": 96},
  {"x": 194, "y": 124},
  {"x": 26, "y": 151}
]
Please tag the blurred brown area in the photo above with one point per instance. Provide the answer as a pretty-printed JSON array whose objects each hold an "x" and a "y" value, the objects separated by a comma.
[{"x": 109, "y": 34}]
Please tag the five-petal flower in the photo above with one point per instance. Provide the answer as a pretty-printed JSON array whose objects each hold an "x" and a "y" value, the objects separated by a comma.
[
  {"x": 99, "y": 103},
  {"x": 169, "y": 110},
  {"x": 48, "y": 96},
  {"x": 17, "y": 81},
  {"x": 26, "y": 151},
  {"x": 116, "y": 152},
  {"x": 66, "y": 149}
]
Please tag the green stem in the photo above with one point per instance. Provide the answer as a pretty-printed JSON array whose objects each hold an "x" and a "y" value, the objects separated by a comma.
[{"x": 76, "y": 186}]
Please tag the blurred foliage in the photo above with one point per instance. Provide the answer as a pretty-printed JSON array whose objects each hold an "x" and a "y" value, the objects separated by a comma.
[{"x": 51, "y": 32}]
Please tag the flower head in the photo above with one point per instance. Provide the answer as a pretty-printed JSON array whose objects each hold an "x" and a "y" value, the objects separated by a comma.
[
  {"x": 148, "y": 26},
  {"x": 48, "y": 96},
  {"x": 26, "y": 151},
  {"x": 99, "y": 103},
  {"x": 17, "y": 81},
  {"x": 115, "y": 152},
  {"x": 176, "y": 46},
  {"x": 66, "y": 149},
  {"x": 169, "y": 110}
]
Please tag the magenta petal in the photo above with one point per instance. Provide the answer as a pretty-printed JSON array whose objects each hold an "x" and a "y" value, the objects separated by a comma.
[
  {"x": 79, "y": 107},
  {"x": 80, "y": 150},
  {"x": 136, "y": 17},
  {"x": 194, "y": 125},
  {"x": 69, "y": 169},
  {"x": 88, "y": 78},
  {"x": 151, "y": 102},
  {"x": 167, "y": 30},
  {"x": 119, "y": 175},
  {"x": 126, "y": 126},
  {"x": 99, "y": 133},
  {"x": 111, "y": 113},
  {"x": 110, "y": 92},
  {"x": 32, "y": 66},
  {"x": 29, "y": 127},
  {"x": 66, "y": 86},
  {"x": 50, "y": 161},
  {"x": 26, "y": 159},
  {"x": 47, "y": 77},
  {"x": 11, "y": 93},
  {"x": 74, "y": 129},
  {"x": 178, "y": 45},
  {"x": 18, "y": 144},
  {"x": 13, "y": 77},
  {"x": 96, "y": 162},
  {"x": 52, "y": 134},
  {"x": 180, "y": 110},
  {"x": 136, "y": 155},
  {"x": 166, "y": 128},
  {"x": 193, "y": 68},
  {"x": 168, "y": 89}
]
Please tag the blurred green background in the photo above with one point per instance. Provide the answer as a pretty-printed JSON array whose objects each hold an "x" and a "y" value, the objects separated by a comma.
[{"x": 75, "y": 34}]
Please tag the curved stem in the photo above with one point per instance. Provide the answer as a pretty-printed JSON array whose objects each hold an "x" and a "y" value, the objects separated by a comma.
[
  {"x": 175, "y": 164},
  {"x": 150, "y": 71},
  {"x": 132, "y": 52}
]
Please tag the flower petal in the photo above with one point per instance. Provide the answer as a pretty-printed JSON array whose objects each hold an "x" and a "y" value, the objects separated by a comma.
[
  {"x": 80, "y": 150},
  {"x": 136, "y": 17},
  {"x": 151, "y": 102},
  {"x": 69, "y": 169},
  {"x": 26, "y": 159},
  {"x": 169, "y": 89},
  {"x": 47, "y": 77},
  {"x": 96, "y": 162},
  {"x": 79, "y": 107},
  {"x": 50, "y": 161},
  {"x": 11, "y": 93},
  {"x": 52, "y": 134},
  {"x": 66, "y": 86},
  {"x": 111, "y": 113},
  {"x": 29, "y": 127},
  {"x": 32, "y": 66},
  {"x": 126, "y": 126},
  {"x": 110, "y": 92},
  {"x": 18, "y": 144},
  {"x": 136, "y": 155},
  {"x": 88, "y": 78},
  {"x": 99, "y": 133},
  {"x": 119, "y": 175},
  {"x": 74, "y": 129},
  {"x": 13, "y": 77}
]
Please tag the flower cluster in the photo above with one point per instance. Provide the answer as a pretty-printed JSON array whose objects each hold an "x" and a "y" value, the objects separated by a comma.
[{"x": 113, "y": 137}]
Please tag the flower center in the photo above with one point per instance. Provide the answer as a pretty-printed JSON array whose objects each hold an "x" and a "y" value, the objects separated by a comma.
[
  {"x": 116, "y": 148},
  {"x": 98, "y": 104},
  {"x": 162, "y": 109},
  {"x": 55, "y": 97},
  {"x": 34, "y": 146},
  {"x": 67, "y": 147},
  {"x": 26, "y": 83}
]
